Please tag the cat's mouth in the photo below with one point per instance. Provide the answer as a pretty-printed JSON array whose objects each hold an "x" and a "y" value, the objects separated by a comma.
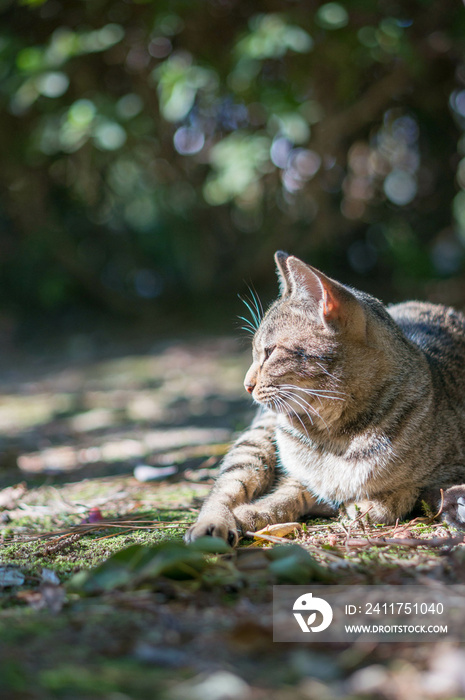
[
  {"x": 287, "y": 401},
  {"x": 308, "y": 406}
]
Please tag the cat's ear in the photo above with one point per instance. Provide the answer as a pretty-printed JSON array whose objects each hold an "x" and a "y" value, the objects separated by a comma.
[
  {"x": 283, "y": 273},
  {"x": 331, "y": 301}
]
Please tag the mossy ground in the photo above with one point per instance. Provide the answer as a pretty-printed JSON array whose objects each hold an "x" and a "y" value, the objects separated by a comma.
[{"x": 72, "y": 436}]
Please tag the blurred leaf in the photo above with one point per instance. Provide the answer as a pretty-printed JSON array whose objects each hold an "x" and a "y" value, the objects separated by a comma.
[
  {"x": 211, "y": 545},
  {"x": 179, "y": 81},
  {"x": 136, "y": 564},
  {"x": 10, "y": 576},
  {"x": 165, "y": 138},
  {"x": 293, "y": 564},
  {"x": 272, "y": 37}
]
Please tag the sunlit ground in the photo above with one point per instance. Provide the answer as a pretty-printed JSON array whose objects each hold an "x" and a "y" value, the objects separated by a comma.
[
  {"x": 103, "y": 416},
  {"x": 75, "y": 430}
]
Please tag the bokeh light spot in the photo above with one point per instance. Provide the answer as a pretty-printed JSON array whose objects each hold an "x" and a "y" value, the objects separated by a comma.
[
  {"x": 332, "y": 15},
  {"x": 109, "y": 136},
  {"x": 81, "y": 113},
  {"x": 400, "y": 187},
  {"x": 279, "y": 151},
  {"x": 188, "y": 140},
  {"x": 129, "y": 106},
  {"x": 53, "y": 84}
]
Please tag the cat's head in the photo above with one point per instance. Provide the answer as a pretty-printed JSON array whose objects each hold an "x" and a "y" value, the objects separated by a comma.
[{"x": 310, "y": 347}]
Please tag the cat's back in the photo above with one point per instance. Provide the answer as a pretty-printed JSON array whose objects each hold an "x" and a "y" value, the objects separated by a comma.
[{"x": 439, "y": 331}]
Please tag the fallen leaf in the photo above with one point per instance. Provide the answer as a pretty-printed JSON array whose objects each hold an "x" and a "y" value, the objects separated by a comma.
[{"x": 278, "y": 530}]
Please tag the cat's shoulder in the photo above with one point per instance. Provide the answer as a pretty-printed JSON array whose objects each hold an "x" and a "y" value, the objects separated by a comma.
[
  {"x": 424, "y": 312},
  {"x": 430, "y": 325}
]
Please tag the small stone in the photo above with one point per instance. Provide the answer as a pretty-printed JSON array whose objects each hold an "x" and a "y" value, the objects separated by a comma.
[
  {"x": 143, "y": 472},
  {"x": 368, "y": 680},
  {"x": 221, "y": 685}
]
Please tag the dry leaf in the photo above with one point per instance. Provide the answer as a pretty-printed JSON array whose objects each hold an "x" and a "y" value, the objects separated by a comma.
[{"x": 278, "y": 530}]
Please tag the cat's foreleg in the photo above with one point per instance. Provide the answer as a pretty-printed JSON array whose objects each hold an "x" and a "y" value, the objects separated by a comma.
[
  {"x": 247, "y": 471},
  {"x": 289, "y": 501}
]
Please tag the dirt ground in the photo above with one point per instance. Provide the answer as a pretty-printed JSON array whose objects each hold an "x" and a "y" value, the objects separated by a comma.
[{"x": 77, "y": 425}]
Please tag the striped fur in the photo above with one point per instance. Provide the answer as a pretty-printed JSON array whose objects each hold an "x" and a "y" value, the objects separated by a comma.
[{"x": 360, "y": 405}]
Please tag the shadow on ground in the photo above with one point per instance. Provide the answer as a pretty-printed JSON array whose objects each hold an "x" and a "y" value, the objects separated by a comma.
[{"x": 72, "y": 431}]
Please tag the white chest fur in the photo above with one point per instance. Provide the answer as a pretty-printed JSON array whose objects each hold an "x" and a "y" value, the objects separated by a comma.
[{"x": 332, "y": 477}]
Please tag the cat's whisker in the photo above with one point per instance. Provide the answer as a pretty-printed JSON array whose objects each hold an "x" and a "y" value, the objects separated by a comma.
[
  {"x": 322, "y": 419},
  {"x": 327, "y": 372},
  {"x": 294, "y": 398},
  {"x": 248, "y": 325},
  {"x": 316, "y": 394},
  {"x": 323, "y": 393},
  {"x": 303, "y": 388},
  {"x": 254, "y": 313},
  {"x": 257, "y": 302},
  {"x": 286, "y": 403},
  {"x": 281, "y": 408},
  {"x": 311, "y": 408},
  {"x": 306, "y": 402}
]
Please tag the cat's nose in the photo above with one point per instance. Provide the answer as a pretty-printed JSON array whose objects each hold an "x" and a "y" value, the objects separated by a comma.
[
  {"x": 249, "y": 387},
  {"x": 250, "y": 380}
]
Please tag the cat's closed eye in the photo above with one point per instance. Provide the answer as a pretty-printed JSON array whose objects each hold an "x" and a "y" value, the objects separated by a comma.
[{"x": 268, "y": 351}]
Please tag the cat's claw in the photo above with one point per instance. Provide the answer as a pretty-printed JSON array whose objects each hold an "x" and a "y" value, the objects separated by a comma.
[{"x": 210, "y": 527}]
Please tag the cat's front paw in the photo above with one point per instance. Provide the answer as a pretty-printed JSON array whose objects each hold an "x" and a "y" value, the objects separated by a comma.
[
  {"x": 371, "y": 511},
  {"x": 453, "y": 508},
  {"x": 222, "y": 525},
  {"x": 361, "y": 509},
  {"x": 249, "y": 518}
]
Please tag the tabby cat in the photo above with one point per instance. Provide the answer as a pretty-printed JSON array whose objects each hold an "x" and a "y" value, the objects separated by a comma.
[{"x": 360, "y": 405}]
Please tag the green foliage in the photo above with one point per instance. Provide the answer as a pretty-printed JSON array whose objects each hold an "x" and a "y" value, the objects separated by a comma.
[
  {"x": 137, "y": 564},
  {"x": 160, "y": 149},
  {"x": 140, "y": 565},
  {"x": 292, "y": 564}
]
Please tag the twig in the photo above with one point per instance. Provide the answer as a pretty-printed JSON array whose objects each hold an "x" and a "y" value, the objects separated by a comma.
[
  {"x": 87, "y": 528},
  {"x": 440, "y": 507},
  {"x": 283, "y": 540},
  {"x": 420, "y": 520},
  {"x": 267, "y": 538},
  {"x": 58, "y": 546},
  {"x": 113, "y": 534},
  {"x": 405, "y": 542}
]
